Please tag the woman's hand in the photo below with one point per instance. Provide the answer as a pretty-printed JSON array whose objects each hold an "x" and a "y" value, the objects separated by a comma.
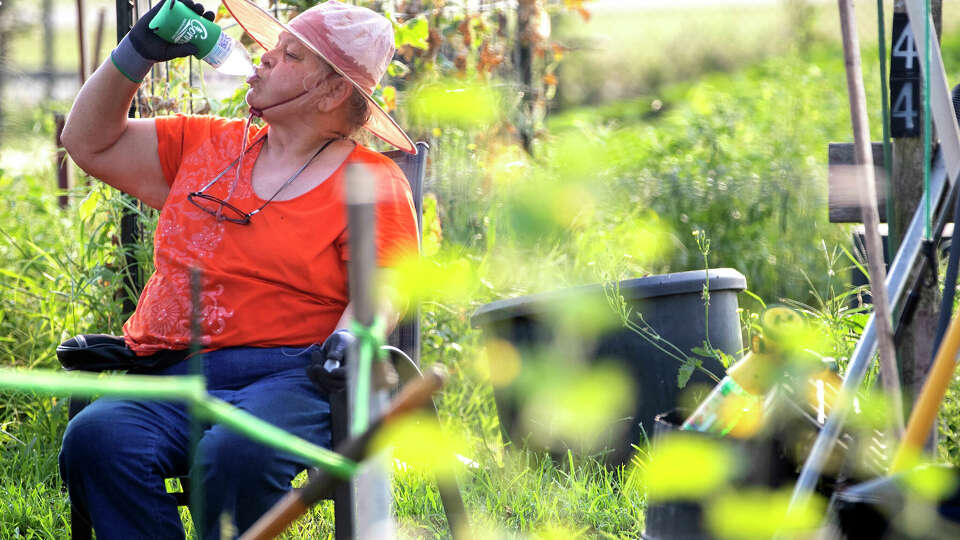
[
  {"x": 153, "y": 47},
  {"x": 327, "y": 367}
]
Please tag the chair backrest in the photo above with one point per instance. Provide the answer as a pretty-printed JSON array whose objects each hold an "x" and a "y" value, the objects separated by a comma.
[{"x": 406, "y": 335}]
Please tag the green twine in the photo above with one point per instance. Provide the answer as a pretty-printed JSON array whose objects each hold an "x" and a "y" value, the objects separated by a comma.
[
  {"x": 926, "y": 120},
  {"x": 369, "y": 345},
  {"x": 188, "y": 388},
  {"x": 885, "y": 115},
  {"x": 83, "y": 384},
  {"x": 264, "y": 432}
]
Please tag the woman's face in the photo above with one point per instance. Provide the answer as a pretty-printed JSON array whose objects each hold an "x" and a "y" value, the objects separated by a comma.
[{"x": 284, "y": 72}]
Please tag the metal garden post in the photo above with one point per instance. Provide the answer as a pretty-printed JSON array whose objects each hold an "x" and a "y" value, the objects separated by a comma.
[
  {"x": 130, "y": 229},
  {"x": 366, "y": 399}
]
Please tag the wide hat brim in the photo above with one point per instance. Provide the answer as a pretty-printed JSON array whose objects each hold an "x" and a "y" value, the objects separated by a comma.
[{"x": 265, "y": 30}]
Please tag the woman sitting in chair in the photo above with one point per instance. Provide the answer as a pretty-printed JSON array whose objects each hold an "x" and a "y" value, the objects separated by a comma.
[{"x": 260, "y": 210}]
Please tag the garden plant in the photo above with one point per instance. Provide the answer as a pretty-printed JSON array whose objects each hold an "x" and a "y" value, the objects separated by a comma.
[{"x": 714, "y": 158}]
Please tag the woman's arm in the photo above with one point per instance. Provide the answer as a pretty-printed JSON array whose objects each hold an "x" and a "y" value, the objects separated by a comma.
[
  {"x": 107, "y": 145},
  {"x": 99, "y": 136}
]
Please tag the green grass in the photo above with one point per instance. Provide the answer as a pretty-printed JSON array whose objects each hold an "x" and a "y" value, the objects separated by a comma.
[
  {"x": 625, "y": 176},
  {"x": 615, "y": 55}
]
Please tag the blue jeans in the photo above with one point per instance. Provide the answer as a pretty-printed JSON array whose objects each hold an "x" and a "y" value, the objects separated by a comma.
[{"x": 116, "y": 453}]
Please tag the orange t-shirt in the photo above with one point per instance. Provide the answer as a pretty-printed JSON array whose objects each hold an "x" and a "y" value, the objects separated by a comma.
[{"x": 280, "y": 280}]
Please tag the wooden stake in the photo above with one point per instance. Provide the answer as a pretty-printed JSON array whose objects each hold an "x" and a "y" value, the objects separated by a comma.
[
  {"x": 871, "y": 219},
  {"x": 49, "y": 36},
  {"x": 81, "y": 50},
  {"x": 915, "y": 338},
  {"x": 97, "y": 39},
  {"x": 62, "y": 181}
]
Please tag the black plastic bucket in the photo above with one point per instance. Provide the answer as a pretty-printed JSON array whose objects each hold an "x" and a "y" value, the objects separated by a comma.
[
  {"x": 674, "y": 520},
  {"x": 672, "y": 304}
]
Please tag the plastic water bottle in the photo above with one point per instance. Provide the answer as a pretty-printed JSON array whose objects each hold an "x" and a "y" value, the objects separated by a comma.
[
  {"x": 715, "y": 414},
  {"x": 177, "y": 23},
  {"x": 738, "y": 394}
]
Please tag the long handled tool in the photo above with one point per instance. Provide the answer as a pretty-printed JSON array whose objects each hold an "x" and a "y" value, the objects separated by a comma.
[
  {"x": 928, "y": 403},
  {"x": 868, "y": 209},
  {"x": 414, "y": 395}
]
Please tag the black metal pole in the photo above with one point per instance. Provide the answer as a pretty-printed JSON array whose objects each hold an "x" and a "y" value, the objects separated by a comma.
[{"x": 130, "y": 227}]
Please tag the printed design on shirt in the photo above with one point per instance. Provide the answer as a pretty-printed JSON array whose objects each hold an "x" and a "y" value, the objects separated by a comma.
[
  {"x": 213, "y": 316},
  {"x": 166, "y": 311}
]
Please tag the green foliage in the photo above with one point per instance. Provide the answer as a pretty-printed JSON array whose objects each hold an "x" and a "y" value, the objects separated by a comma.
[
  {"x": 949, "y": 425},
  {"x": 684, "y": 466},
  {"x": 61, "y": 273},
  {"x": 453, "y": 104},
  {"x": 31, "y": 505},
  {"x": 739, "y": 157},
  {"x": 613, "y": 192},
  {"x": 413, "y": 32}
]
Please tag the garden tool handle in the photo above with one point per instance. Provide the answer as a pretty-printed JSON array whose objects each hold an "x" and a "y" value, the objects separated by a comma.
[
  {"x": 414, "y": 395},
  {"x": 928, "y": 403}
]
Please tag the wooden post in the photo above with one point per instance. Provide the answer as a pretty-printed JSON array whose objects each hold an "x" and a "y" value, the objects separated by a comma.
[
  {"x": 97, "y": 39},
  {"x": 868, "y": 205},
  {"x": 81, "y": 50},
  {"x": 524, "y": 63},
  {"x": 915, "y": 347},
  {"x": 62, "y": 179},
  {"x": 49, "y": 37}
]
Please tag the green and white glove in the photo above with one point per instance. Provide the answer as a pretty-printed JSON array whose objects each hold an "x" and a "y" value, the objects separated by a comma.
[{"x": 141, "y": 47}]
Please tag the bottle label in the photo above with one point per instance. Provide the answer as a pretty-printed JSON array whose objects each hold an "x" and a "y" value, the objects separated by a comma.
[
  {"x": 189, "y": 30},
  {"x": 220, "y": 51}
]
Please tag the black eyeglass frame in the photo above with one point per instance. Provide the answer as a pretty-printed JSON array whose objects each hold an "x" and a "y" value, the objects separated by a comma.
[{"x": 245, "y": 220}]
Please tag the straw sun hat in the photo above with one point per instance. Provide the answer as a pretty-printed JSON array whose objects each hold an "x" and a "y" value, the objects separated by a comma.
[{"x": 355, "y": 41}]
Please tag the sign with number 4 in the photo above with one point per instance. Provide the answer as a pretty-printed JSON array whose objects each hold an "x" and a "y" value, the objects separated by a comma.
[{"x": 905, "y": 80}]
